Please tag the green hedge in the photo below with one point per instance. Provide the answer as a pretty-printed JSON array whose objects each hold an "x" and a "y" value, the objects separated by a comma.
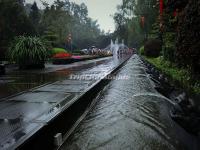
[
  {"x": 141, "y": 50},
  {"x": 58, "y": 50},
  {"x": 76, "y": 51},
  {"x": 152, "y": 48},
  {"x": 176, "y": 74}
]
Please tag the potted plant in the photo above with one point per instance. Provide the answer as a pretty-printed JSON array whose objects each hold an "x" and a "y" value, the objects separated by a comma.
[{"x": 28, "y": 52}]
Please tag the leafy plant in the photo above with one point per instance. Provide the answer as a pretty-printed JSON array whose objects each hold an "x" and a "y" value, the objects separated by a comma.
[
  {"x": 141, "y": 50},
  {"x": 169, "y": 46},
  {"x": 183, "y": 76},
  {"x": 27, "y": 51}
]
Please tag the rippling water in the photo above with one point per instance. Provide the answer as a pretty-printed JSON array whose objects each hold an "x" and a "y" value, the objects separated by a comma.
[{"x": 130, "y": 114}]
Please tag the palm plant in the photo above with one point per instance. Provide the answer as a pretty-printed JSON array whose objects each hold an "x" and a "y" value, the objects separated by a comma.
[{"x": 28, "y": 52}]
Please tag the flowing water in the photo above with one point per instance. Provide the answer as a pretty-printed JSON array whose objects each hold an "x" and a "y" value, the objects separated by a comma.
[{"x": 130, "y": 114}]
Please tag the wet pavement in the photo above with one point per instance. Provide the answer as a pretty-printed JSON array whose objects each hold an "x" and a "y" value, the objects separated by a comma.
[
  {"x": 24, "y": 113},
  {"x": 16, "y": 81},
  {"x": 131, "y": 114}
]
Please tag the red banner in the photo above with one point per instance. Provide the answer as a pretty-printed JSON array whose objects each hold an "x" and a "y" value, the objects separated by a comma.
[
  {"x": 161, "y": 7},
  {"x": 175, "y": 13}
]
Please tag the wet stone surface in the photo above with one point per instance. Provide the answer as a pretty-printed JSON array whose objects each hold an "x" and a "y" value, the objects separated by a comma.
[
  {"x": 15, "y": 81},
  {"x": 64, "y": 87},
  {"x": 12, "y": 131},
  {"x": 25, "y": 113},
  {"x": 41, "y": 97}
]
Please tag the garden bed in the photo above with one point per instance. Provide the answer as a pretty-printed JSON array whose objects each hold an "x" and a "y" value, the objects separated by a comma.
[
  {"x": 62, "y": 61},
  {"x": 179, "y": 76}
]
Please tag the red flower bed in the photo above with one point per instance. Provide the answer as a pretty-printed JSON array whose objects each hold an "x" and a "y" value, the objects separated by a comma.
[{"x": 62, "y": 55}]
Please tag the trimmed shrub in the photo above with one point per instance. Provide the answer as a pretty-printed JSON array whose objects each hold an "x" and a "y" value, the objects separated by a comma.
[
  {"x": 152, "y": 48},
  {"x": 58, "y": 50},
  {"x": 78, "y": 52},
  {"x": 28, "y": 52},
  {"x": 141, "y": 50}
]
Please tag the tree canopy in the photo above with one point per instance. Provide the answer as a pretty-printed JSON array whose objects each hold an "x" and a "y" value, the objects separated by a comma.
[
  {"x": 62, "y": 24},
  {"x": 174, "y": 22}
]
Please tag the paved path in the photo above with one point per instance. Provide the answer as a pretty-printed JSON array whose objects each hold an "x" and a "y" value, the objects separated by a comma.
[
  {"x": 16, "y": 81},
  {"x": 23, "y": 114}
]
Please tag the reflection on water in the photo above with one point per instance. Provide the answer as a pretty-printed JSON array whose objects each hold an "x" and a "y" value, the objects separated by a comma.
[{"x": 130, "y": 114}]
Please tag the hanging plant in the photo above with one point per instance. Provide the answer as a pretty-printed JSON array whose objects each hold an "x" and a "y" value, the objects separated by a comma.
[{"x": 161, "y": 7}]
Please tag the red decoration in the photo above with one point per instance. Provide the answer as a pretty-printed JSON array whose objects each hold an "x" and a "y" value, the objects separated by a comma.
[
  {"x": 161, "y": 7},
  {"x": 175, "y": 13},
  {"x": 62, "y": 55}
]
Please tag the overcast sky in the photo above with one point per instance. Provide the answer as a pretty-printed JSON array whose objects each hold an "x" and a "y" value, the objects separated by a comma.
[{"x": 100, "y": 10}]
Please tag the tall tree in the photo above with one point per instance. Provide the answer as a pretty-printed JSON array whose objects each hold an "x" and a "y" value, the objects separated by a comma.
[
  {"x": 64, "y": 18},
  {"x": 13, "y": 22},
  {"x": 136, "y": 18},
  {"x": 35, "y": 15},
  {"x": 188, "y": 32}
]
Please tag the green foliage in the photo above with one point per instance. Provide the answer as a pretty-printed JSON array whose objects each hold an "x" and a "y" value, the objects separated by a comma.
[
  {"x": 169, "y": 53},
  {"x": 13, "y": 22},
  {"x": 35, "y": 15},
  {"x": 50, "y": 38},
  {"x": 57, "y": 50},
  {"x": 64, "y": 18},
  {"x": 188, "y": 43},
  {"x": 155, "y": 33},
  {"x": 27, "y": 50},
  {"x": 141, "y": 50},
  {"x": 183, "y": 76},
  {"x": 128, "y": 20},
  {"x": 152, "y": 48},
  {"x": 76, "y": 52},
  {"x": 169, "y": 46},
  {"x": 54, "y": 24}
]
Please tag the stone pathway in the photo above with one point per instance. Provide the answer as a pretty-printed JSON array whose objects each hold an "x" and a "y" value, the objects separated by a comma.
[{"x": 23, "y": 114}]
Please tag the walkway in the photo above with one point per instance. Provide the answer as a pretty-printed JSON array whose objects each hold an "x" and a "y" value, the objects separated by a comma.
[{"x": 23, "y": 114}]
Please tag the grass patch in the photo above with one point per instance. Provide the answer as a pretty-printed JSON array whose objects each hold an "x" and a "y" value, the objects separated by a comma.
[{"x": 176, "y": 74}]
